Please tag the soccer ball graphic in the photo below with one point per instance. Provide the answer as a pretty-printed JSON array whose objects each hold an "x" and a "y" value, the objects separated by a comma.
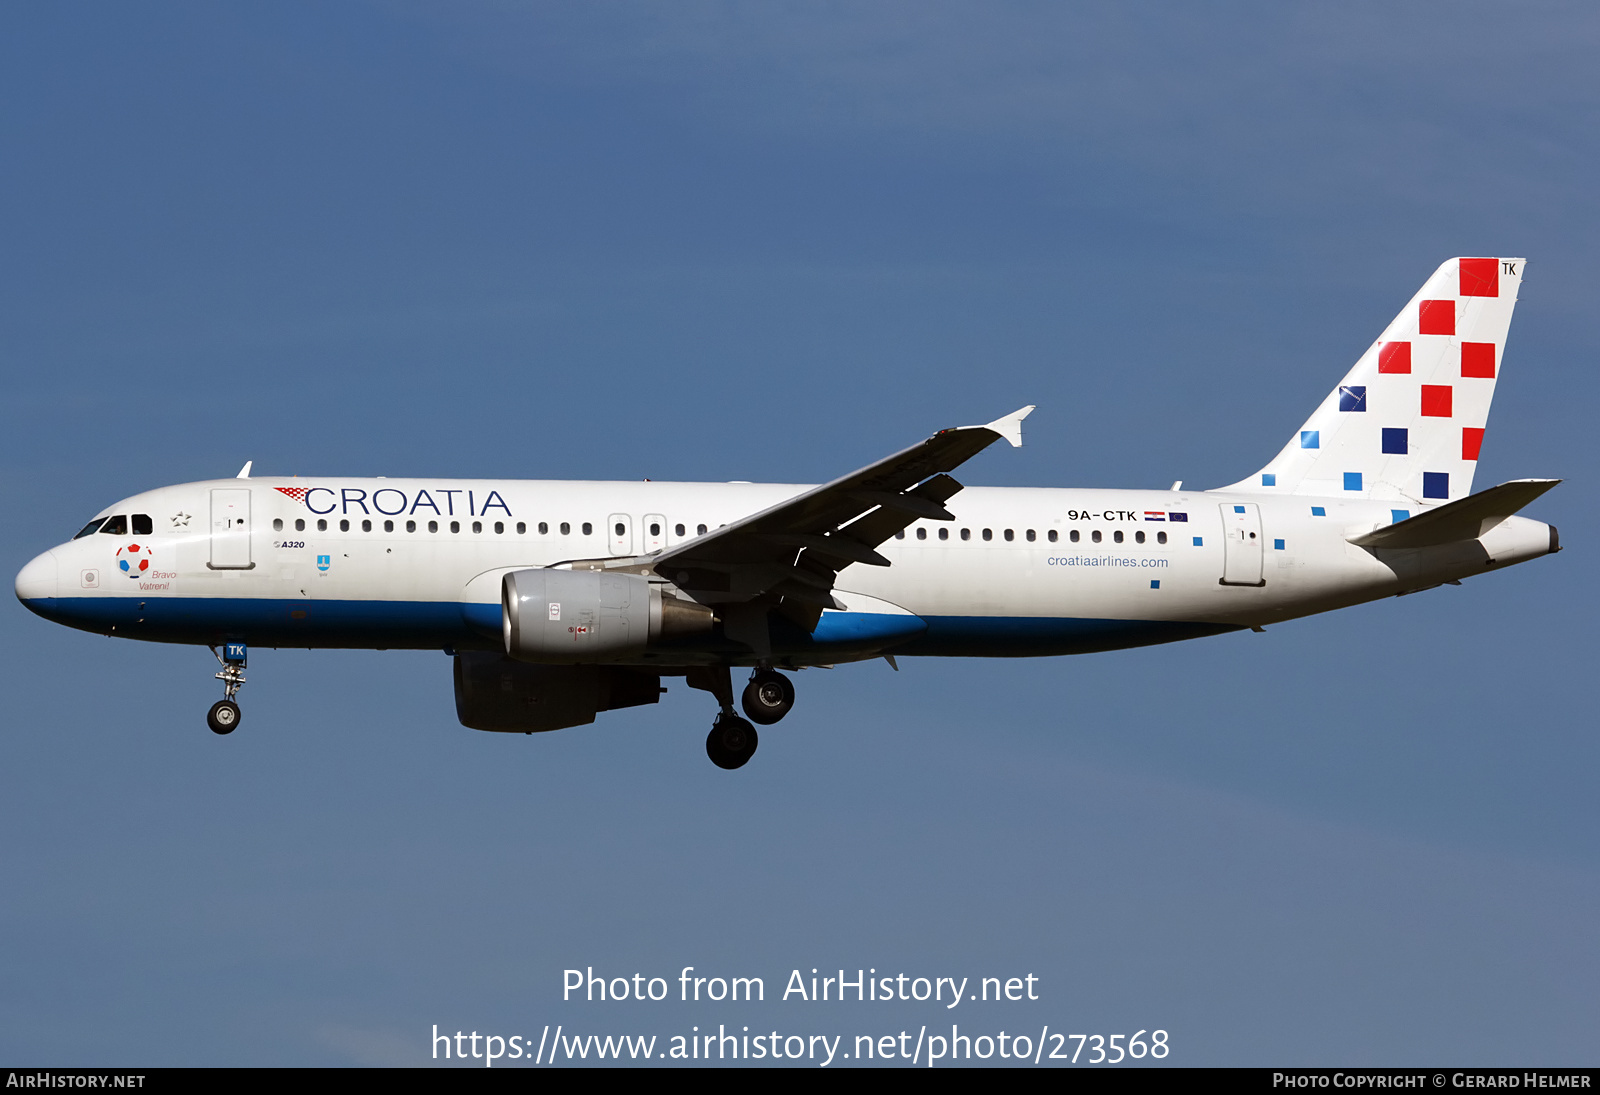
[{"x": 134, "y": 559}]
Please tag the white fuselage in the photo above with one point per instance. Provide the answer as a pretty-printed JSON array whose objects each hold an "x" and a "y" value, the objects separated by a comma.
[{"x": 419, "y": 563}]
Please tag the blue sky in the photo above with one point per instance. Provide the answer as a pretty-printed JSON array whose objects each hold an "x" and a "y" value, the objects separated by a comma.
[{"x": 773, "y": 242}]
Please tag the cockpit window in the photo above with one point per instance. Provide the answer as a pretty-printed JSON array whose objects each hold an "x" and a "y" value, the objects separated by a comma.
[
  {"x": 90, "y": 527},
  {"x": 116, "y": 526},
  {"x": 141, "y": 524}
]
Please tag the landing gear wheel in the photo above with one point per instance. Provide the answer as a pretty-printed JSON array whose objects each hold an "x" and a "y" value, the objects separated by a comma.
[
  {"x": 768, "y": 697},
  {"x": 732, "y": 742},
  {"x": 223, "y": 717}
]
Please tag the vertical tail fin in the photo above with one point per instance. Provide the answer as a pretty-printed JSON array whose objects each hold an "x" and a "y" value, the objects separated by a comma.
[{"x": 1407, "y": 421}]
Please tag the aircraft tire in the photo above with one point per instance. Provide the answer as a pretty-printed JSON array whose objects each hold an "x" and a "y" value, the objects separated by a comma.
[
  {"x": 224, "y": 716},
  {"x": 732, "y": 742},
  {"x": 768, "y": 697}
]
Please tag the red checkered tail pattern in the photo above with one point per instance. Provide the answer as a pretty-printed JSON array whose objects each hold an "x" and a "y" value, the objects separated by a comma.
[{"x": 1406, "y": 424}]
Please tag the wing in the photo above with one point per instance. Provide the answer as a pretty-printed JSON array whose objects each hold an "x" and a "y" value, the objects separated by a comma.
[{"x": 789, "y": 554}]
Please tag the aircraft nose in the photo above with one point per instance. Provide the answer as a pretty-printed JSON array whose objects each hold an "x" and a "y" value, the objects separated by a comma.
[{"x": 37, "y": 580}]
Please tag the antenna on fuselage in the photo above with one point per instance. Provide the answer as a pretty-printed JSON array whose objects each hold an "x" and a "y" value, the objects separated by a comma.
[{"x": 244, "y": 472}]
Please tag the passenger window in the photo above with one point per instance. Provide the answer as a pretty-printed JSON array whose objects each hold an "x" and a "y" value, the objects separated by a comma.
[
  {"x": 1095, "y": 536},
  {"x": 1073, "y": 536},
  {"x": 922, "y": 534},
  {"x": 1031, "y": 536},
  {"x": 966, "y": 534},
  {"x": 900, "y": 534},
  {"x": 366, "y": 526},
  {"x": 1054, "y": 536},
  {"x": 344, "y": 524},
  {"x": 622, "y": 530},
  {"x": 277, "y": 524},
  {"x": 499, "y": 528},
  {"x": 388, "y": 526},
  {"x": 322, "y": 524},
  {"x": 455, "y": 526},
  {"x": 89, "y": 528},
  {"x": 1138, "y": 537},
  {"x": 588, "y": 529},
  {"x": 988, "y": 534},
  {"x": 433, "y": 526},
  {"x": 299, "y": 524},
  {"x": 678, "y": 530},
  {"x": 655, "y": 529},
  {"x": 544, "y": 528},
  {"x": 142, "y": 525},
  {"x": 1010, "y": 535},
  {"x": 700, "y": 530},
  {"x": 1161, "y": 537},
  {"x": 944, "y": 534},
  {"x": 522, "y": 528},
  {"x": 411, "y": 526},
  {"x": 115, "y": 526},
  {"x": 1117, "y": 536},
  {"x": 566, "y": 529}
]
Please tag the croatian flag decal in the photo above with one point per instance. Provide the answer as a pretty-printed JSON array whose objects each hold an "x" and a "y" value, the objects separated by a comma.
[{"x": 1154, "y": 515}]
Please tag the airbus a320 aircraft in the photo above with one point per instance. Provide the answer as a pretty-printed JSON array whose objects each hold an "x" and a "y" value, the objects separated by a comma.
[{"x": 558, "y": 600}]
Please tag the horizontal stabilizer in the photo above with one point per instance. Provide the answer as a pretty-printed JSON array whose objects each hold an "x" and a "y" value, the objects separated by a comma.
[{"x": 1466, "y": 519}]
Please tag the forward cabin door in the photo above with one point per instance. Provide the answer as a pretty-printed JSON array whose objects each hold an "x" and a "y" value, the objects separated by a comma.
[
  {"x": 1242, "y": 545},
  {"x": 230, "y": 529}
]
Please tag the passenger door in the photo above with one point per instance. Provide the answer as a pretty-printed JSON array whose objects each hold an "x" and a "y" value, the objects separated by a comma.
[
  {"x": 1242, "y": 545},
  {"x": 230, "y": 529}
]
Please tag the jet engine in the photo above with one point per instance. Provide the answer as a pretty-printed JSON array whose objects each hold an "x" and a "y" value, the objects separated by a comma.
[
  {"x": 589, "y": 616},
  {"x": 495, "y": 693}
]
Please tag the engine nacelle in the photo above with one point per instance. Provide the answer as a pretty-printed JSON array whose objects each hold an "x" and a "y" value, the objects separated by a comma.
[
  {"x": 590, "y": 616},
  {"x": 494, "y": 692}
]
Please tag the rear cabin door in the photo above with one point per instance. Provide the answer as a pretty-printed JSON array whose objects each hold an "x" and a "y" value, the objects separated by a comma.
[
  {"x": 230, "y": 529},
  {"x": 1242, "y": 545},
  {"x": 620, "y": 528}
]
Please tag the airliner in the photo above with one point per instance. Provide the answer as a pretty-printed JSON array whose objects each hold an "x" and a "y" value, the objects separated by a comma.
[{"x": 559, "y": 600}]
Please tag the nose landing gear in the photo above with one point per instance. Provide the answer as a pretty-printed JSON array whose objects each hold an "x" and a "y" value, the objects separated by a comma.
[{"x": 224, "y": 716}]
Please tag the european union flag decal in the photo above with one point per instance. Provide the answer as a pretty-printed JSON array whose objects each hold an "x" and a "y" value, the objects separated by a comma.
[{"x": 1353, "y": 397}]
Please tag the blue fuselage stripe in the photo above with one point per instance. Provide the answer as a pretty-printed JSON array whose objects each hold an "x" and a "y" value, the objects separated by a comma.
[{"x": 436, "y": 624}]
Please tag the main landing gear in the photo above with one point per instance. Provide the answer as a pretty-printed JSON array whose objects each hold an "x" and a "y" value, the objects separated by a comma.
[
  {"x": 767, "y": 698},
  {"x": 732, "y": 741},
  {"x": 224, "y": 716}
]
